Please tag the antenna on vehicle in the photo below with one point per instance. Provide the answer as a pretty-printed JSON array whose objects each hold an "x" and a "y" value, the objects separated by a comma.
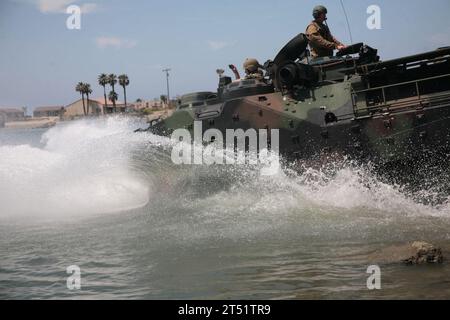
[{"x": 348, "y": 24}]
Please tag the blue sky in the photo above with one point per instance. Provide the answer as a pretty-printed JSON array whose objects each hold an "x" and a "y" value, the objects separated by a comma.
[{"x": 41, "y": 60}]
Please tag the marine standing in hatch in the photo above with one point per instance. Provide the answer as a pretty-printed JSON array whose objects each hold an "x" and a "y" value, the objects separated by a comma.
[
  {"x": 252, "y": 68},
  {"x": 321, "y": 41}
]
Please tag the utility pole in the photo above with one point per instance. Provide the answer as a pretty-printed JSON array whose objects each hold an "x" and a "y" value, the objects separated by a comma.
[{"x": 167, "y": 78}]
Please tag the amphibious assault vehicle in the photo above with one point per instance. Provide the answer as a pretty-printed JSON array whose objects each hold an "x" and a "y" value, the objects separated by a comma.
[{"x": 351, "y": 104}]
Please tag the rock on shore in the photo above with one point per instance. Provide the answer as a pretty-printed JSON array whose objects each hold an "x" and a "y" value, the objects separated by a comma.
[
  {"x": 415, "y": 253},
  {"x": 424, "y": 253}
]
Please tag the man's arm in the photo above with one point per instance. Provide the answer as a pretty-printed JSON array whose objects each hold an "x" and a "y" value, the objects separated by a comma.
[
  {"x": 235, "y": 71},
  {"x": 314, "y": 36},
  {"x": 339, "y": 45},
  {"x": 337, "y": 42}
]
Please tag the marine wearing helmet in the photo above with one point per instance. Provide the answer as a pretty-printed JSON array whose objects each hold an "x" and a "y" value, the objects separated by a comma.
[
  {"x": 321, "y": 41},
  {"x": 252, "y": 69}
]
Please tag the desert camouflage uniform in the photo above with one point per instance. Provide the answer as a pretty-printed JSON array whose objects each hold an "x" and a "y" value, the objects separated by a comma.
[
  {"x": 321, "y": 41},
  {"x": 255, "y": 75},
  {"x": 252, "y": 69}
]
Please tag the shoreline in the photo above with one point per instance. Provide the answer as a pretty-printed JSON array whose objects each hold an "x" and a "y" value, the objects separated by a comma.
[
  {"x": 48, "y": 122},
  {"x": 32, "y": 123}
]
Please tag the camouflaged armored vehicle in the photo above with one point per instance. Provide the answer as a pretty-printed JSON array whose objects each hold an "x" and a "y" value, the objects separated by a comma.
[{"x": 350, "y": 104}]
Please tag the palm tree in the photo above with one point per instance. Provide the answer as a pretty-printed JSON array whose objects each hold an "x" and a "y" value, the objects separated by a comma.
[
  {"x": 113, "y": 97},
  {"x": 80, "y": 88},
  {"x": 124, "y": 81},
  {"x": 103, "y": 81},
  {"x": 87, "y": 91},
  {"x": 112, "y": 80}
]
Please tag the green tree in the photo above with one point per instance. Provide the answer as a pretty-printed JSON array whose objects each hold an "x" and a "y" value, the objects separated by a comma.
[
  {"x": 163, "y": 98},
  {"x": 124, "y": 82},
  {"x": 112, "y": 80},
  {"x": 103, "y": 81},
  {"x": 80, "y": 88},
  {"x": 87, "y": 91},
  {"x": 113, "y": 97}
]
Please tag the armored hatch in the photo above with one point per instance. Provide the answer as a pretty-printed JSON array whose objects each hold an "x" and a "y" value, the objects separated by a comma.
[
  {"x": 244, "y": 88},
  {"x": 195, "y": 99}
]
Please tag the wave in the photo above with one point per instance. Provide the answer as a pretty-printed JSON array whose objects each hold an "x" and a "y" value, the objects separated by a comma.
[
  {"x": 101, "y": 166},
  {"x": 83, "y": 167}
]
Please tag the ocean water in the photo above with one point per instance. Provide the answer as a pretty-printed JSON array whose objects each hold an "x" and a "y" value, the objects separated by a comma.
[{"x": 92, "y": 193}]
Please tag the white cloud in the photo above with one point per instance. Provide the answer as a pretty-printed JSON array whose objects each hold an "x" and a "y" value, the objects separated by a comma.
[
  {"x": 60, "y": 6},
  {"x": 89, "y": 7},
  {"x": 115, "y": 42},
  {"x": 53, "y": 6},
  {"x": 218, "y": 45}
]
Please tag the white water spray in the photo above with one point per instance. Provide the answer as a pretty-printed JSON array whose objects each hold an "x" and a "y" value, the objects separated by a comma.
[{"x": 82, "y": 169}]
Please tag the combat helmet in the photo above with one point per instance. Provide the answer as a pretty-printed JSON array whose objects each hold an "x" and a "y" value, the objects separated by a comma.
[
  {"x": 318, "y": 10},
  {"x": 251, "y": 65}
]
